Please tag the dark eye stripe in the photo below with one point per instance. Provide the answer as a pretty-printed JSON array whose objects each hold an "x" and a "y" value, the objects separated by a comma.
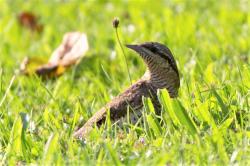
[
  {"x": 163, "y": 52},
  {"x": 155, "y": 50},
  {"x": 170, "y": 61}
]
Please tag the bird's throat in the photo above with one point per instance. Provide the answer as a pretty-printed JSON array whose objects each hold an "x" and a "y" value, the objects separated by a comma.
[{"x": 163, "y": 78}]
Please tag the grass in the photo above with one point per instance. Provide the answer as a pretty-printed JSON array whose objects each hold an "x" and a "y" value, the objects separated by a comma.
[{"x": 208, "y": 124}]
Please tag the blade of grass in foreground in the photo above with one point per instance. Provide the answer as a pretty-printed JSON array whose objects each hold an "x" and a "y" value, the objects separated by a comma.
[
  {"x": 166, "y": 103},
  {"x": 177, "y": 110},
  {"x": 113, "y": 154},
  {"x": 217, "y": 134},
  {"x": 220, "y": 101},
  {"x": 153, "y": 122},
  {"x": 14, "y": 145},
  {"x": 184, "y": 118},
  {"x": 50, "y": 149},
  {"x": 7, "y": 90},
  {"x": 78, "y": 107}
]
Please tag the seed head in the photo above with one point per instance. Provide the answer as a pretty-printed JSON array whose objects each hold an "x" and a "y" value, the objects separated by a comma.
[{"x": 116, "y": 22}]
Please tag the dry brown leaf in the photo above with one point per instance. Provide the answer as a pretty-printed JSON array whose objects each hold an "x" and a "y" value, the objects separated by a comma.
[
  {"x": 29, "y": 20},
  {"x": 70, "y": 51}
]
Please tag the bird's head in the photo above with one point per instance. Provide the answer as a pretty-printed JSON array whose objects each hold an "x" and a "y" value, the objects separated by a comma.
[{"x": 161, "y": 64}]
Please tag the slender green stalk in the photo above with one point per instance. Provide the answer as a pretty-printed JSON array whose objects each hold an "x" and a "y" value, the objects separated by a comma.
[
  {"x": 123, "y": 52},
  {"x": 7, "y": 90}
]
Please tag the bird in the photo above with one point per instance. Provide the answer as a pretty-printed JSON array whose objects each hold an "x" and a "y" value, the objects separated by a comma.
[{"x": 161, "y": 73}]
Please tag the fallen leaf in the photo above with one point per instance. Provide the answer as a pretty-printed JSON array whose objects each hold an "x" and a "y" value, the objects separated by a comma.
[
  {"x": 70, "y": 51},
  {"x": 29, "y": 20},
  {"x": 30, "y": 65},
  {"x": 74, "y": 45}
]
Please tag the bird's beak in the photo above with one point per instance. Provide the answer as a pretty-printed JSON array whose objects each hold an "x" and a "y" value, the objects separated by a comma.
[{"x": 135, "y": 47}]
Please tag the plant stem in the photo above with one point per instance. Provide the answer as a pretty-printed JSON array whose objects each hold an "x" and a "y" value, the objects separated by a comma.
[{"x": 123, "y": 52}]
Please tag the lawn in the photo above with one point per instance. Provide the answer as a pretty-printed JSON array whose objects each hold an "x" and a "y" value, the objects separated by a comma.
[{"x": 208, "y": 124}]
